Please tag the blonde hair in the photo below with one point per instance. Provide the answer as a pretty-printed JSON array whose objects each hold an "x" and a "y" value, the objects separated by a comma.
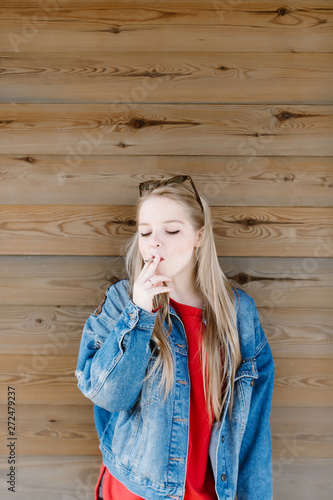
[{"x": 221, "y": 332}]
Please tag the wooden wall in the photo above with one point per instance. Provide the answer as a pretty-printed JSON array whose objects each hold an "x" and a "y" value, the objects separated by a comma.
[{"x": 97, "y": 96}]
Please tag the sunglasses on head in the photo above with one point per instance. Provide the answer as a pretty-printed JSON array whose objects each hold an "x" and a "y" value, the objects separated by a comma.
[{"x": 178, "y": 179}]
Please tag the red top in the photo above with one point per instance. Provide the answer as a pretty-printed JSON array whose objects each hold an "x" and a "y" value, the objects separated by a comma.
[{"x": 199, "y": 476}]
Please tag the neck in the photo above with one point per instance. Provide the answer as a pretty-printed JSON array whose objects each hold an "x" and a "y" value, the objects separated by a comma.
[{"x": 185, "y": 293}]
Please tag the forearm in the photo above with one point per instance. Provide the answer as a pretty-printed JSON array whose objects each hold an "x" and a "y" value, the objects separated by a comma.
[{"x": 113, "y": 357}]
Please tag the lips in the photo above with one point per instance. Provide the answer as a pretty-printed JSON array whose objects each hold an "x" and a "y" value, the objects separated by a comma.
[{"x": 155, "y": 256}]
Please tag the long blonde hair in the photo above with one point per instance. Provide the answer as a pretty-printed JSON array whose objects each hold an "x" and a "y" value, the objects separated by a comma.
[{"x": 220, "y": 332}]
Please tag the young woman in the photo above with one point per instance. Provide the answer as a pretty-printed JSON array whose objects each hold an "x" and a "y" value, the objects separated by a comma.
[{"x": 177, "y": 365}]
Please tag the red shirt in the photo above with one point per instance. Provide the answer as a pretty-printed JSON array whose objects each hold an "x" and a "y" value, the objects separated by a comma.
[{"x": 199, "y": 475}]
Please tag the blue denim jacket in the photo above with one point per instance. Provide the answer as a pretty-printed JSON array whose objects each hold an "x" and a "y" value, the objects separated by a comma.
[{"x": 143, "y": 438}]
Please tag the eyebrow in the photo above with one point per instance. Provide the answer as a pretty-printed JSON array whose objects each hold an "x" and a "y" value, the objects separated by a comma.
[{"x": 164, "y": 222}]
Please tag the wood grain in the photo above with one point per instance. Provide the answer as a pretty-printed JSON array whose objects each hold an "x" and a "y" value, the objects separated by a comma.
[
  {"x": 308, "y": 479},
  {"x": 171, "y": 26},
  {"x": 221, "y": 180},
  {"x": 80, "y": 282},
  {"x": 105, "y": 230},
  {"x": 42, "y": 329},
  {"x": 56, "y": 430},
  {"x": 56, "y": 280},
  {"x": 74, "y": 477},
  {"x": 284, "y": 282},
  {"x": 302, "y": 432},
  {"x": 65, "y": 478},
  {"x": 49, "y": 379},
  {"x": 98, "y": 96},
  {"x": 298, "y": 332},
  {"x": 170, "y": 129},
  {"x": 307, "y": 382},
  {"x": 164, "y": 77},
  {"x": 292, "y": 332}
]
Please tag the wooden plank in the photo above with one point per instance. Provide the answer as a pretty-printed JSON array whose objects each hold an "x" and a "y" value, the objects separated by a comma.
[
  {"x": 303, "y": 382},
  {"x": 284, "y": 282},
  {"x": 53, "y": 430},
  {"x": 170, "y": 129},
  {"x": 221, "y": 180},
  {"x": 74, "y": 477},
  {"x": 62, "y": 430},
  {"x": 80, "y": 282},
  {"x": 54, "y": 478},
  {"x": 170, "y": 26},
  {"x": 301, "y": 332},
  {"x": 49, "y": 379},
  {"x": 292, "y": 332},
  {"x": 42, "y": 329},
  {"x": 302, "y": 432},
  {"x": 167, "y": 77},
  {"x": 42, "y": 379},
  {"x": 302, "y": 478},
  {"x": 57, "y": 281},
  {"x": 105, "y": 230}
]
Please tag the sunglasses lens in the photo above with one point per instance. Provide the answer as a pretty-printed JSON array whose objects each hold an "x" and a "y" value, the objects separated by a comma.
[{"x": 179, "y": 179}]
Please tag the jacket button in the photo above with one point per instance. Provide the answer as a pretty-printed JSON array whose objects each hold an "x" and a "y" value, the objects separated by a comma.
[
  {"x": 252, "y": 382},
  {"x": 224, "y": 477},
  {"x": 132, "y": 315}
]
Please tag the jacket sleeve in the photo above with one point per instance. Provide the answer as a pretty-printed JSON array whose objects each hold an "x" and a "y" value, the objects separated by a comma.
[
  {"x": 255, "y": 459},
  {"x": 115, "y": 351}
]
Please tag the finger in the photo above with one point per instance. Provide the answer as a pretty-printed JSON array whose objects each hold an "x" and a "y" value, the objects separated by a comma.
[
  {"x": 156, "y": 278},
  {"x": 151, "y": 260},
  {"x": 161, "y": 289},
  {"x": 146, "y": 266},
  {"x": 150, "y": 266}
]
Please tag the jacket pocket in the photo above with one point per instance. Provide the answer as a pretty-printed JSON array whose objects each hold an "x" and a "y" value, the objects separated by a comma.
[{"x": 124, "y": 436}]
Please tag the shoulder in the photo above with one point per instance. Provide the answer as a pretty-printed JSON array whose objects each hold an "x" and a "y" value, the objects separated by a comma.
[
  {"x": 251, "y": 335},
  {"x": 116, "y": 298},
  {"x": 118, "y": 290},
  {"x": 244, "y": 303}
]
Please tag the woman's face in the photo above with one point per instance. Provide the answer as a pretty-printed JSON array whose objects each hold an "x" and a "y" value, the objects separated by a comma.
[{"x": 164, "y": 229}]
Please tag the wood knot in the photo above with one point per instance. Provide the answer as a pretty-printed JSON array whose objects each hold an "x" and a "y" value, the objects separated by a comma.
[
  {"x": 121, "y": 145},
  {"x": 285, "y": 115},
  {"x": 115, "y": 30},
  {"x": 249, "y": 222},
  {"x": 131, "y": 222},
  {"x": 137, "y": 123},
  {"x": 282, "y": 11},
  {"x": 29, "y": 159},
  {"x": 222, "y": 68},
  {"x": 243, "y": 278},
  {"x": 153, "y": 73},
  {"x": 39, "y": 321},
  {"x": 288, "y": 178},
  {"x": 6, "y": 122}
]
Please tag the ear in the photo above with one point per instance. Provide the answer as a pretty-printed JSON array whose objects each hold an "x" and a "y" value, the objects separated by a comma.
[{"x": 199, "y": 237}]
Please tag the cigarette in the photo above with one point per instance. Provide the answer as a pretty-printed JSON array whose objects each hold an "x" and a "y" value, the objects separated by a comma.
[{"x": 148, "y": 260}]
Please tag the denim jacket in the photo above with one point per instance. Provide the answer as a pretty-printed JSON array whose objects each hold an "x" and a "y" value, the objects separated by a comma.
[{"x": 144, "y": 438}]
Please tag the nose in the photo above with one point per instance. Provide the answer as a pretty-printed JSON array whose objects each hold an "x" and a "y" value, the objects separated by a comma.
[{"x": 155, "y": 242}]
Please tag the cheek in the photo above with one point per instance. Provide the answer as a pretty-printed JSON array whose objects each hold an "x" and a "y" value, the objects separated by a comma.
[
  {"x": 142, "y": 246},
  {"x": 183, "y": 253}
]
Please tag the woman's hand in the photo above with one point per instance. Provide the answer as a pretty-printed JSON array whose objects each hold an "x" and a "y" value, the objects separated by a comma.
[{"x": 149, "y": 284}]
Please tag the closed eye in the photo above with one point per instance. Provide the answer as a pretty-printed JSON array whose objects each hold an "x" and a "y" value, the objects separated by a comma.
[{"x": 169, "y": 232}]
